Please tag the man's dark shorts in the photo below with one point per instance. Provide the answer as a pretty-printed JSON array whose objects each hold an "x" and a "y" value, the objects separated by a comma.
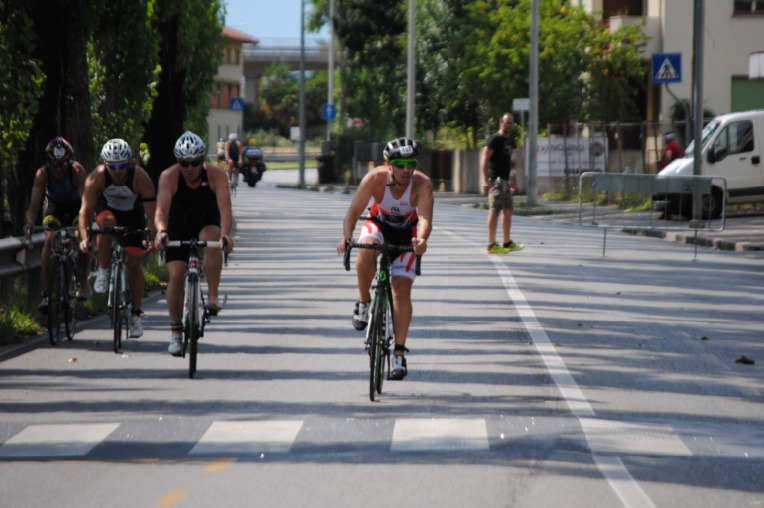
[{"x": 185, "y": 226}]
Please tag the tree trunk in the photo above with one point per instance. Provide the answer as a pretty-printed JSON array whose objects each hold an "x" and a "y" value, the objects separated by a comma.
[{"x": 167, "y": 118}]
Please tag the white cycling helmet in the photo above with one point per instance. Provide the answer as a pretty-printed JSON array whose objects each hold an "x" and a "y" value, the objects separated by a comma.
[
  {"x": 233, "y": 136},
  {"x": 116, "y": 150},
  {"x": 189, "y": 146},
  {"x": 401, "y": 148}
]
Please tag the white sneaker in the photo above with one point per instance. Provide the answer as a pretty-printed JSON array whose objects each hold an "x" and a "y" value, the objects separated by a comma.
[
  {"x": 361, "y": 315},
  {"x": 399, "y": 370},
  {"x": 101, "y": 281},
  {"x": 176, "y": 345},
  {"x": 136, "y": 325}
]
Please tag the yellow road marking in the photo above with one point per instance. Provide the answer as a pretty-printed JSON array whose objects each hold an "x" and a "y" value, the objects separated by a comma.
[{"x": 171, "y": 498}]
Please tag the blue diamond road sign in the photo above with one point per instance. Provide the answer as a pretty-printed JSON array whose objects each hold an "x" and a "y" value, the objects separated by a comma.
[{"x": 666, "y": 68}]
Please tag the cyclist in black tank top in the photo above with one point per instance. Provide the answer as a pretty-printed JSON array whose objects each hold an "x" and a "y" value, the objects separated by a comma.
[{"x": 193, "y": 202}]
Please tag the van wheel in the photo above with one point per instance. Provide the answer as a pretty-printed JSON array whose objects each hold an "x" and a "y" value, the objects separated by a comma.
[{"x": 712, "y": 204}]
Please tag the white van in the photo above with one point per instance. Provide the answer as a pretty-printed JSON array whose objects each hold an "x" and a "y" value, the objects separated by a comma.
[{"x": 732, "y": 147}]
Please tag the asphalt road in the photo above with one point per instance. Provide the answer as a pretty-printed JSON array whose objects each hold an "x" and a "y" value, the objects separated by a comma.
[{"x": 552, "y": 376}]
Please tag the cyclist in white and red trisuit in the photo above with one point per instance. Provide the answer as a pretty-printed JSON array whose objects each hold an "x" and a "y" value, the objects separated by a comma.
[{"x": 401, "y": 214}]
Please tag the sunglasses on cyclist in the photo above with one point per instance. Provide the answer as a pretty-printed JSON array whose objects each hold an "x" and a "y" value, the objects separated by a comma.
[
  {"x": 404, "y": 163},
  {"x": 121, "y": 165},
  {"x": 193, "y": 163}
]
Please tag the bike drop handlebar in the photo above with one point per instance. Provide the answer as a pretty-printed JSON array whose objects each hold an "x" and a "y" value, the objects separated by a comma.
[
  {"x": 197, "y": 243},
  {"x": 389, "y": 248}
]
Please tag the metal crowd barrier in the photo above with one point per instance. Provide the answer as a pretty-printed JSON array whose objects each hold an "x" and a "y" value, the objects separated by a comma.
[
  {"x": 647, "y": 202},
  {"x": 17, "y": 257}
]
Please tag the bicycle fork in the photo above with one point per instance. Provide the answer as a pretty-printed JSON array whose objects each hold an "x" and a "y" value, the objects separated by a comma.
[{"x": 193, "y": 283}]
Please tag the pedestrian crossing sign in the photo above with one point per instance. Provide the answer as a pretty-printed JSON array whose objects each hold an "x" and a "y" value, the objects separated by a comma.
[{"x": 666, "y": 68}]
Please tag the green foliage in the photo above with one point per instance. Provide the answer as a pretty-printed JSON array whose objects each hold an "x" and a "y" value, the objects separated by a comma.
[
  {"x": 16, "y": 323},
  {"x": 123, "y": 68},
  {"x": 21, "y": 79}
]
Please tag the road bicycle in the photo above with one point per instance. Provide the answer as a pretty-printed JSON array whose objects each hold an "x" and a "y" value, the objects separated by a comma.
[
  {"x": 196, "y": 315},
  {"x": 379, "y": 332},
  {"x": 233, "y": 179},
  {"x": 63, "y": 286},
  {"x": 119, "y": 305}
]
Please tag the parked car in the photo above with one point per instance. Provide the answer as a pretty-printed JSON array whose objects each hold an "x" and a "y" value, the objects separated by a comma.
[{"x": 732, "y": 147}]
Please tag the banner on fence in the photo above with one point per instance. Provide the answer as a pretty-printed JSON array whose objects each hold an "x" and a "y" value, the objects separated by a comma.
[{"x": 577, "y": 155}]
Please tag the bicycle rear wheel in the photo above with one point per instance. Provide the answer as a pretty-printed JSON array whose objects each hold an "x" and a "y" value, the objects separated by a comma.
[
  {"x": 55, "y": 304},
  {"x": 117, "y": 307},
  {"x": 193, "y": 327}
]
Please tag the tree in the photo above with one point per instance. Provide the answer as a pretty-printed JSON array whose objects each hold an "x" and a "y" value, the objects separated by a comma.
[
  {"x": 21, "y": 80},
  {"x": 191, "y": 49}
]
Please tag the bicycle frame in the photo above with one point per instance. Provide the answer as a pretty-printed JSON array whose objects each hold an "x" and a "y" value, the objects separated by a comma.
[
  {"x": 379, "y": 331},
  {"x": 195, "y": 316},
  {"x": 62, "y": 285},
  {"x": 119, "y": 303}
]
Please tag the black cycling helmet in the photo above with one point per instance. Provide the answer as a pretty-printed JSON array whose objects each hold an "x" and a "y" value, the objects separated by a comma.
[
  {"x": 401, "y": 148},
  {"x": 59, "y": 149}
]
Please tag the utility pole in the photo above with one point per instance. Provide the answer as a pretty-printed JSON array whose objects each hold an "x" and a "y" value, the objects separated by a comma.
[
  {"x": 533, "y": 120},
  {"x": 411, "y": 75},
  {"x": 302, "y": 93},
  {"x": 330, "y": 93},
  {"x": 697, "y": 106}
]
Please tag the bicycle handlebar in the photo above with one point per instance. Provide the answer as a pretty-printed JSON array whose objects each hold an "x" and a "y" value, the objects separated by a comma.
[
  {"x": 196, "y": 244},
  {"x": 388, "y": 248}
]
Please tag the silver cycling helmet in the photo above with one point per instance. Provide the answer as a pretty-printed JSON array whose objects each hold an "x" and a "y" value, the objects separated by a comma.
[
  {"x": 189, "y": 146},
  {"x": 233, "y": 136},
  {"x": 116, "y": 150},
  {"x": 401, "y": 148}
]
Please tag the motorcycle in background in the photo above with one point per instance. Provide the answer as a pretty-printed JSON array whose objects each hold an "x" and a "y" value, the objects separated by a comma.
[{"x": 253, "y": 166}]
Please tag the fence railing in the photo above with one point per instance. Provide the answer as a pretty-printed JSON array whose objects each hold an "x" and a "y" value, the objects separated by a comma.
[
  {"x": 648, "y": 202},
  {"x": 20, "y": 257}
]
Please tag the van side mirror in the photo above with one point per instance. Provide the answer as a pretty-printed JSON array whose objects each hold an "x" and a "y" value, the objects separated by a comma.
[{"x": 711, "y": 156}]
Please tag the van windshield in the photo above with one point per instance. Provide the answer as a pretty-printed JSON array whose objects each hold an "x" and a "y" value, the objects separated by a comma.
[{"x": 708, "y": 130}]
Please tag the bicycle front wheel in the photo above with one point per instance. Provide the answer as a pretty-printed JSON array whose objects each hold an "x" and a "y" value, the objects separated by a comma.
[
  {"x": 117, "y": 305},
  {"x": 376, "y": 346},
  {"x": 193, "y": 326},
  {"x": 55, "y": 299},
  {"x": 70, "y": 299}
]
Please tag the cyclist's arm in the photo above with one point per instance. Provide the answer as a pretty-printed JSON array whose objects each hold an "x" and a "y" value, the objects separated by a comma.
[
  {"x": 93, "y": 185},
  {"x": 219, "y": 184},
  {"x": 164, "y": 198},
  {"x": 38, "y": 191},
  {"x": 360, "y": 200},
  {"x": 145, "y": 188},
  {"x": 425, "y": 206}
]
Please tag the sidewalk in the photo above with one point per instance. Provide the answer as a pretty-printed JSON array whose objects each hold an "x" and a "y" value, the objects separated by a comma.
[{"x": 742, "y": 231}]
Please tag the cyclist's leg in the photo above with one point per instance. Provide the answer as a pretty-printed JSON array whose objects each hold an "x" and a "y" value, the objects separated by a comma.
[
  {"x": 105, "y": 219},
  {"x": 135, "y": 279},
  {"x": 366, "y": 261},
  {"x": 45, "y": 266},
  {"x": 177, "y": 272},
  {"x": 403, "y": 308},
  {"x": 213, "y": 263}
]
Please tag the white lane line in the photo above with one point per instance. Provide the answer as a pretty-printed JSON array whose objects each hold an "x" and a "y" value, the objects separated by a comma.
[
  {"x": 247, "y": 437},
  {"x": 439, "y": 434},
  {"x": 56, "y": 440},
  {"x": 612, "y": 468}
]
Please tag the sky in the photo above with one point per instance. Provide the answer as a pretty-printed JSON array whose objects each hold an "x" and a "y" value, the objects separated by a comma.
[{"x": 268, "y": 19}]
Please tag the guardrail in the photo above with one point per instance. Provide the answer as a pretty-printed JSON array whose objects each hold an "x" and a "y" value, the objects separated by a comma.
[
  {"x": 647, "y": 202},
  {"x": 19, "y": 256}
]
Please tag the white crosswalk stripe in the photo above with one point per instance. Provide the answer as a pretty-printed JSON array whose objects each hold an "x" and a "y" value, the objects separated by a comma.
[
  {"x": 53, "y": 440},
  {"x": 439, "y": 434},
  {"x": 247, "y": 437}
]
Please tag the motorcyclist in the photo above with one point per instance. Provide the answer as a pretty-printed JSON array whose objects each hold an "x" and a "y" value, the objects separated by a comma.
[{"x": 253, "y": 165}]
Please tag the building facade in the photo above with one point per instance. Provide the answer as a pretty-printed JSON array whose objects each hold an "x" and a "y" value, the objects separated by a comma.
[
  {"x": 732, "y": 33},
  {"x": 228, "y": 94}
]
